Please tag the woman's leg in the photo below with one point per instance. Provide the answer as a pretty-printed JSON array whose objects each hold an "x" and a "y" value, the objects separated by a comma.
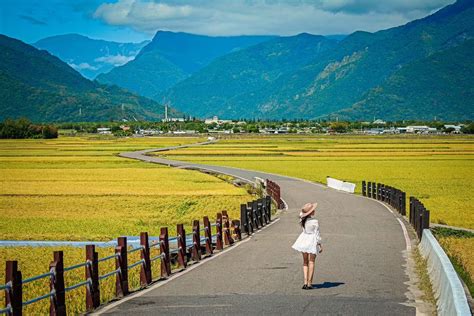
[
  {"x": 305, "y": 267},
  {"x": 312, "y": 258}
]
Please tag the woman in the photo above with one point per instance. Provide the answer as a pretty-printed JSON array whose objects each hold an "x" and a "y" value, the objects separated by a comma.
[{"x": 308, "y": 242}]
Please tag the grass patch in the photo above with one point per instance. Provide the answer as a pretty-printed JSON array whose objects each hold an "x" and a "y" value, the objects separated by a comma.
[{"x": 424, "y": 283}]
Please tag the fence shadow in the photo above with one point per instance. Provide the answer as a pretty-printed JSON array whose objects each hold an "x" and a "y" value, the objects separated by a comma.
[{"x": 327, "y": 285}]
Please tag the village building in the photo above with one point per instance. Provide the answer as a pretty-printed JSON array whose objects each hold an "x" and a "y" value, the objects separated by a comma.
[{"x": 104, "y": 130}]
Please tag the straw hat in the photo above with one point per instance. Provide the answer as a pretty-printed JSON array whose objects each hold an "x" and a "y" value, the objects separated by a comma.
[{"x": 307, "y": 209}]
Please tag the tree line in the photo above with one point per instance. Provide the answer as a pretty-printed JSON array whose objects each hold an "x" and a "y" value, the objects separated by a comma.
[{"x": 24, "y": 128}]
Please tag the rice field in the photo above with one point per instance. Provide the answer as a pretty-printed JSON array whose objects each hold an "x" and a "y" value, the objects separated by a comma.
[
  {"x": 439, "y": 170},
  {"x": 77, "y": 188}
]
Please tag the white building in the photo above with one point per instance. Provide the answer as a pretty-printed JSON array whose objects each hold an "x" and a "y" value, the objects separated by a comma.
[
  {"x": 379, "y": 122},
  {"x": 456, "y": 128},
  {"x": 149, "y": 132},
  {"x": 421, "y": 129},
  {"x": 104, "y": 130},
  {"x": 216, "y": 120}
]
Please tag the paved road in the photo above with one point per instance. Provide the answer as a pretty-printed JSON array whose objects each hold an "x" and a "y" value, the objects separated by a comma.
[{"x": 360, "y": 272}]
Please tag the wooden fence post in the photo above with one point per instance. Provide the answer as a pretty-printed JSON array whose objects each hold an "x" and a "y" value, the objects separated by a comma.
[
  {"x": 237, "y": 231},
  {"x": 250, "y": 217},
  {"x": 426, "y": 219},
  {"x": 422, "y": 211},
  {"x": 196, "y": 241},
  {"x": 254, "y": 206},
  {"x": 269, "y": 207},
  {"x": 244, "y": 220},
  {"x": 14, "y": 295},
  {"x": 208, "y": 234},
  {"x": 265, "y": 210},
  {"x": 399, "y": 201},
  {"x": 364, "y": 192},
  {"x": 58, "y": 301},
  {"x": 227, "y": 236},
  {"x": 121, "y": 263},
  {"x": 260, "y": 212},
  {"x": 219, "y": 245},
  {"x": 92, "y": 274},
  {"x": 165, "y": 250},
  {"x": 404, "y": 204},
  {"x": 389, "y": 195},
  {"x": 181, "y": 243},
  {"x": 145, "y": 271}
]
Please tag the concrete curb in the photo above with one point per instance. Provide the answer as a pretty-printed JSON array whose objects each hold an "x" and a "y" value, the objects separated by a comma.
[{"x": 449, "y": 292}]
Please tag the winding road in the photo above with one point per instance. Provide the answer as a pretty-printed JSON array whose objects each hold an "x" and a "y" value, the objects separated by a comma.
[{"x": 362, "y": 270}]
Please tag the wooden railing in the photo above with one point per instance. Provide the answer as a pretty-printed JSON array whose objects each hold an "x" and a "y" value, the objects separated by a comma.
[
  {"x": 273, "y": 190},
  {"x": 419, "y": 216}
]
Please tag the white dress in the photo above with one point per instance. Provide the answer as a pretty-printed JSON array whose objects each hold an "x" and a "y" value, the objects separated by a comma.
[{"x": 309, "y": 239}]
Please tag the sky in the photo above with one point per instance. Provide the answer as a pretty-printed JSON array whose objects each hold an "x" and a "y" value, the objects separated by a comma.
[{"x": 137, "y": 20}]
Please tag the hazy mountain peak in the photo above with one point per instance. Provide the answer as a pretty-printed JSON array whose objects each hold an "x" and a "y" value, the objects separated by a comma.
[{"x": 89, "y": 56}]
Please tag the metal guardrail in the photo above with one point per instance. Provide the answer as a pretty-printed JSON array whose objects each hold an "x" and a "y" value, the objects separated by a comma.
[
  {"x": 39, "y": 298},
  {"x": 38, "y": 277},
  {"x": 105, "y": 276}
]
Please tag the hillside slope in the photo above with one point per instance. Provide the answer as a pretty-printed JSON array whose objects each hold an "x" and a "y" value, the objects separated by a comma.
[
  {"x": 170, "y": 58},
  {"x": 216, "y": 88},
  {"x": 336, "y": 78},
  {"x": 37, "y": 85},
  {"x": 443, "y": 89}
]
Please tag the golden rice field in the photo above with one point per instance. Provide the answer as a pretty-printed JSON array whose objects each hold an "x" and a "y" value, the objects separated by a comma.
[
  {"x": 439, "y": 170},
  {"x": 76, "y": 188}
]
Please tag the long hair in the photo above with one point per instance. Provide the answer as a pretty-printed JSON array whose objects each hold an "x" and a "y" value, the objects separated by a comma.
[{"x": 304, "y": 219}]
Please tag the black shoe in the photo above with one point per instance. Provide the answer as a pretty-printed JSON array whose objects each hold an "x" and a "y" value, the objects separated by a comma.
[
  {"x": 305, "y": 287},
  {"x": 309, "y": 287}
]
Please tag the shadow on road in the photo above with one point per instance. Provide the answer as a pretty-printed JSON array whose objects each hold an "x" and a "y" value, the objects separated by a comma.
[{"x": 327, "y": 285}]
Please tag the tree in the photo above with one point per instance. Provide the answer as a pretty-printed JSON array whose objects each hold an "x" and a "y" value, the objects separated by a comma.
[
  {"x": 468, "y": 129},
  {"x": 339, "y": 127}
]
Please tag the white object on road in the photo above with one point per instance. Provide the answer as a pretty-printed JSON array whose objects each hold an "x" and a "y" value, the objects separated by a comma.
[
  {"x": 340, "y": 185},
  {"x": 448, "y": 289}
]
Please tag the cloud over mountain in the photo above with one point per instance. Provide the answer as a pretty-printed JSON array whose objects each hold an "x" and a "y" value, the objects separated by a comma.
[{"x": 263, "y": 16}]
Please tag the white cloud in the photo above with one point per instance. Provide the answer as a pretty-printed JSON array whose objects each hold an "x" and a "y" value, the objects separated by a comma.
[
  {"x": 116, "y": 60},
  {"x": 235, "y": 17},
  {"x": 83, "y": 66}
]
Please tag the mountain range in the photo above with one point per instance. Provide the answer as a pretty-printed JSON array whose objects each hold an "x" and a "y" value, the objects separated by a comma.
[
  {"x": 386, "y": 74},
  {"x": 90, "y": 57},
  {"x": 38, "y": 85},
  {"x": 171, "y": 57},
  {"x": 420, "y": 70}
]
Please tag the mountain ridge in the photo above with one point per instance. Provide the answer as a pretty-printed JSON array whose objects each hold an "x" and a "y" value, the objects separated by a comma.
[
  {"x": 38, "y": 85},
  {"x": 338, "y": 78},
  {"x": 171, "y": 57}
]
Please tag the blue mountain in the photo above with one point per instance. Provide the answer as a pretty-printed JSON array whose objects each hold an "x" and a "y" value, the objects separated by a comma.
[
  {"x": 172, "y": 57},
  {"x": 90, "y": 57}
]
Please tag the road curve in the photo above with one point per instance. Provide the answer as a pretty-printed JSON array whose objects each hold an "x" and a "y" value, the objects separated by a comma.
[{"x": 360, "y": 272}]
